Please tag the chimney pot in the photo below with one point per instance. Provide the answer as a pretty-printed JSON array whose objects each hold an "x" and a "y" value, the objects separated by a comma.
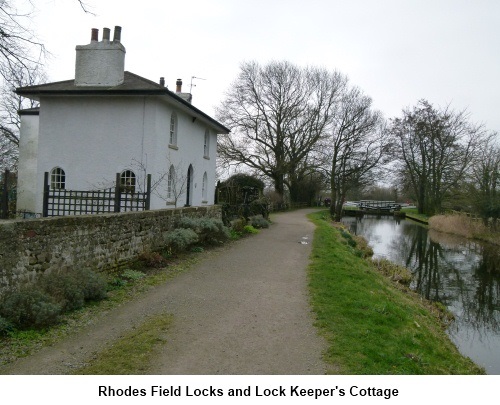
[
  {"x": 178, "y": 84},
  {"x": 105, "y": 34},
  {"x": 95, "y": 35},
  {"x": 117, "y": 34},
  {"x": 162, "y": 81}
]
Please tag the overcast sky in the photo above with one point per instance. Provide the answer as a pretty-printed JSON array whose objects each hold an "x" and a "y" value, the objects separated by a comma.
[{"x": 396, "y": 51}]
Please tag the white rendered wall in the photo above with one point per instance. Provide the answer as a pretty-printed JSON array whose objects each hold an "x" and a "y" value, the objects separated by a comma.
[
  {"x": 189, "y": 151},
  {"x": 27, "y": 168},
  {"x": 93, "y": 138}
]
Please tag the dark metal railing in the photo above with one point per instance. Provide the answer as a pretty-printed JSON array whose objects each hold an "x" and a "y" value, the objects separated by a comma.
[{"x": 62, "y": 202}]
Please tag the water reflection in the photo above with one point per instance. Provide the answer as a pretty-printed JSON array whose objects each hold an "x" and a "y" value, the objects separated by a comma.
[{"x": 463, "y": 275}]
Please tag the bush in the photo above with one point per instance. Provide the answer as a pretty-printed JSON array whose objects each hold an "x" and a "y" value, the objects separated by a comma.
[
  {"x": 237, "y": 225},
  {"x": 5, "y": 326},
  {"x": 259, "y": 222},
  {"x": 132, "y": 275},
  {"x": 30, "y": 307},
  {"x": 153, "y": 259},
  {"x": 65, "y": 288},
  {"x": 219, "y": 232},
  {"x": 209, "y": 230},
  {"x": 180, "y": 239},
  {"x": 249, "y": 229},
  {"x": 93, "y": 284},
  {"x": 71, "y": 288}
]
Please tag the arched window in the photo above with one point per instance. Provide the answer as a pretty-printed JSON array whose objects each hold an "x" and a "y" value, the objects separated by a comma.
[
  {"x": 204, "y": 186},
  {"x": 206, "y": 144},
  {"x": 171, "y": 184},
  {"x": 57, "y": 179},
  {"x": 127, "y": 181},
  {"x": 173, "y": 130},
  {"x": 189, "y": 186}
]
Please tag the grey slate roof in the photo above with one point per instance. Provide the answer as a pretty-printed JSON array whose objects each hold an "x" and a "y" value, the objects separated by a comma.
[{"x": 132, "y": 85}]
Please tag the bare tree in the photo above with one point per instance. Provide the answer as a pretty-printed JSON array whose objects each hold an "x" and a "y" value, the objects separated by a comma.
[
  {"x": 486, "y": 180},
  {"x": 8, "y": 155},
  {"x": 434, "y": 148},
  {"x": 354, "y": 147},
  {"x": 11, "y": 103},
  {"x": 174, "y": 184},
  {"x": 277, "y": 114},
  {"x": 21, "y": 64},
  {"x": 19, "y": 47}
]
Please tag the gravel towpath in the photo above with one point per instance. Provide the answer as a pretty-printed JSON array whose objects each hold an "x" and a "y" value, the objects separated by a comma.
[{"x": 241, "y": 310}]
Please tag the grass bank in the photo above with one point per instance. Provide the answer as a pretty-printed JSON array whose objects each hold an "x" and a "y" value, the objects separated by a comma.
[
  {"x": 372, "y": 324},
  {"x": 412, "y": 213}
]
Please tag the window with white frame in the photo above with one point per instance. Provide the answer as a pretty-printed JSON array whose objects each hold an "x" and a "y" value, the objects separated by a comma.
[
  {"x": 127, "y": 181},
  {"x": 171, "y": 183},
  {"x": 172, "y": 141},
  {"x": 206, "y": 144},
  {"x": 204, "y": 188},
  {"x": 57, "y": 179}
]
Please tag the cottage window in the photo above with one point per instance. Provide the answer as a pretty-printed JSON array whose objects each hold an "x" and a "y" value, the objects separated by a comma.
[
  {"x": 173, "y": 130},
  {"x": 127, "y": 181},
  {"x": 206, "y": 144},
  {"x": 57, "y": 179},
  {"x": 204, "y": 186},
  {"x": 171, "y": 183}
]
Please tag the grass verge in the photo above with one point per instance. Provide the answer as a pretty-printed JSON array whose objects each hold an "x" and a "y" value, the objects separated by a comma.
[
  {"x": 372, "y": 325},
  {"x": 25, "y": 342},
  {"x": 132, "y": 353},
  {"x": 412, "y": 213}
]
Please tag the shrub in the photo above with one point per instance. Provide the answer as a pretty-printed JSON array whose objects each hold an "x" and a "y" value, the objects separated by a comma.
[
  {"x": 93, "y": 284},
  {"x": 219, "y": 232},
  {"x": 153, "y": 259},
  {"x": 5, "y": 326},
  {"x": 237, "y": 225},
  {"x": 180, "y": 239},
  {"x": 259, "y": 222},
  {"x": 209, "y": 230},
  {"x": 116, "y": 283},
  {"x": 249, "y": 229},
  {"x": 30, "y": 307},
  {"x": 65, "y": 288},
  {"x": 132, "y": 275}
]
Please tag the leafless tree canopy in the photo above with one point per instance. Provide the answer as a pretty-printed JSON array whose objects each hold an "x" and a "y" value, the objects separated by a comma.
[
  {"x": 18, "y": 45},
  {"x": 485, "y": 176},
  {"x": 354, "y": 147},
  {"x": 21, "y": 64},
  {"x": 277, "y": 113},
  {"x": 434, "y": 148}
]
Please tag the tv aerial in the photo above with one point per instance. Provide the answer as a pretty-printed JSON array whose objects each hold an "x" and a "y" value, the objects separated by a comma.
[{"x": 191, "y": 85}]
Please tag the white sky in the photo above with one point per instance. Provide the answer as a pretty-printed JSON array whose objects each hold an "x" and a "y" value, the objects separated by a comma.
[{"x": 396, "y": 51}]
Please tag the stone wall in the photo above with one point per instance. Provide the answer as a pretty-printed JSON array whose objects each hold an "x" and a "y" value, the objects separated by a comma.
[{"x": 99, "y": 242}]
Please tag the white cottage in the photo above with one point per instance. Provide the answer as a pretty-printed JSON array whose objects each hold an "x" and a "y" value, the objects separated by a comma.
[{"x": 109, "y": 121}]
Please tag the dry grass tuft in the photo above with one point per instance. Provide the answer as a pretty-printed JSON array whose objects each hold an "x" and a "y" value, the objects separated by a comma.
[{"x": 458, "y": 225}]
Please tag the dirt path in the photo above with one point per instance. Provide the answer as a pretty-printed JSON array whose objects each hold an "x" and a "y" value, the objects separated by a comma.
[{"x": 243, "y": 310}]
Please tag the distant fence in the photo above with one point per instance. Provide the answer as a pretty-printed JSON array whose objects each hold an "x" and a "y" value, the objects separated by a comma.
[{"x": 62, "y": 202}]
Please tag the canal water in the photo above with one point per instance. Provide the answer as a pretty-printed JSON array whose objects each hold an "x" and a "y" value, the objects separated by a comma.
[{"x": 461, "y": 274}]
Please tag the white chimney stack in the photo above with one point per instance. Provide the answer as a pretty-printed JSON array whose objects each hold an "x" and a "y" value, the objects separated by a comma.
[{"x": 100, "y": 63}]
